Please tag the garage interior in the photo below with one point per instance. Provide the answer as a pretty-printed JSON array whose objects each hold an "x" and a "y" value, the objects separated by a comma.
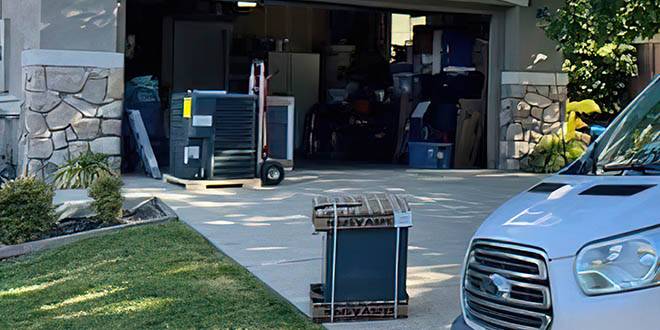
[{"x": 370, "y": 85}]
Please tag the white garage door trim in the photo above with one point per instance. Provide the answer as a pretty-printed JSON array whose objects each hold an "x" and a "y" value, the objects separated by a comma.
[{"x": 465, "y": 6}]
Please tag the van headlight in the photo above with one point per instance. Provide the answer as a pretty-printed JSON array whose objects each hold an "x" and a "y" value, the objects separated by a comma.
[{"x": 620, "y": 264}]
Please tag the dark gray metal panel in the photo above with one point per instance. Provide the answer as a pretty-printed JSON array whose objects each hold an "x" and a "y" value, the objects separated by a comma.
[
  {"x": 180, "y": 138},
  {"x": 277, "y": 131},
  {"x": 200, "y": 55},
  {"x": 366, "y": 265},
  {"x": 235, "y": 142}
]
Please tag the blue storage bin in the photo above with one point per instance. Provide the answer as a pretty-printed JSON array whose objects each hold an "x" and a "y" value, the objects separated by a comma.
[{"x": 430, "y": 155}]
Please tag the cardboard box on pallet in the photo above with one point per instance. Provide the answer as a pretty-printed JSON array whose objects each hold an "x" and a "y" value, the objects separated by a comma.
[
  {"x": 367, "y": 279},
  {"x": 358, "y": 211},
  {"x": 353, "y": 311}
]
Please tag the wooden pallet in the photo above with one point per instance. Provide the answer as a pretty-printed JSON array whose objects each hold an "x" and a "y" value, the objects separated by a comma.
[
  {"x": 212, "y": 184},
  {"x": 353, "y": 311}
]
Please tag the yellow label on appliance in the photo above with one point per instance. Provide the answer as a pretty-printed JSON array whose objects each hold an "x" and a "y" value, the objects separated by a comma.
[{"x": 187, "y": 107}]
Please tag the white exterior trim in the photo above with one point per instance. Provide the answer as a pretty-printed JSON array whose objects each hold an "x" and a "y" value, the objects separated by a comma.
[
  {"x": 78, "y": 58},
  {"x": 523, "y": 3},
  {"x": 9, "y": 105},
  {"x": 457, "y": 6}
]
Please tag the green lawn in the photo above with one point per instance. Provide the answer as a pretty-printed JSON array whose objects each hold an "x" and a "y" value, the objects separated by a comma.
[{"x": 160, "y": 276}]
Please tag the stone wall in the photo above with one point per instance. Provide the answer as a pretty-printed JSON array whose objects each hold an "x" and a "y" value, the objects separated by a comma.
[
  {"x": 67, "y": 111},
  {"x": 533, "y": 105}
]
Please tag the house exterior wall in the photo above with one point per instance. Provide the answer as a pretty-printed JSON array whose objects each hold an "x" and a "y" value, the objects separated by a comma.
[
  {"x": 89, "y": 25},
  {"x": 525, "y": 41},
  {"x": 532, "y": 105},
  {"x": 23, "y": 33},
  {"x": 67, "y": 85},
  {"x": 93, "y": 25},
  {"x": 73, "y": 104},
  {"x": 79, "y": 25},
  {"x": 533, "y": 90}
]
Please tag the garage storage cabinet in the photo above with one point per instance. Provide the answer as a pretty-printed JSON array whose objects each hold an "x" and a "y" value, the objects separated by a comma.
[{"x": 365, "y": 258}]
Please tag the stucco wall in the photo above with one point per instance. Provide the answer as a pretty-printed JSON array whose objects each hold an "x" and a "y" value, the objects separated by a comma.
[
  {"x": 56, "y": 24},
  {"x": 79, "y": 25},
  {"x": 23, "y": 33},
  {"x": 524, "y": 40}
]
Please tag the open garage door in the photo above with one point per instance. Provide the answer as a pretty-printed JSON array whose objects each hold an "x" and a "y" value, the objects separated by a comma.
[{"x": 362, "y": 81}]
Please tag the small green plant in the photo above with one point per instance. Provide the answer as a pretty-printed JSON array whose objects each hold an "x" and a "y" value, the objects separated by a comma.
[
  {"x": 82, "y": 171},
  {"x": 106, "y": 192},
  {"x": 26, "y": 210},
  {"x": 555, "y": 151}
]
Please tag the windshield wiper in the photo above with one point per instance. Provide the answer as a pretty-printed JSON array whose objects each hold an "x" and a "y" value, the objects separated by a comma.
[{"x": 632, "y": 167}]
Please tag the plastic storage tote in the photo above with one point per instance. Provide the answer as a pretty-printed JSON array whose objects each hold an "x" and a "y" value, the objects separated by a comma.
[{"x": 430, "y": 155}]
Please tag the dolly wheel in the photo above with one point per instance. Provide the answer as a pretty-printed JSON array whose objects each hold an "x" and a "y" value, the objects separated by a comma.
[{"x": 272, "y": 174}]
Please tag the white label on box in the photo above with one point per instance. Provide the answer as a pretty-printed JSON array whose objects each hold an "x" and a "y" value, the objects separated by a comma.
[
  {"x": 193, "y": 152},
  {"x": 190, "y": 153},
  {"x": 202, "y": 121},
  {"x": 403, "y": 219}
]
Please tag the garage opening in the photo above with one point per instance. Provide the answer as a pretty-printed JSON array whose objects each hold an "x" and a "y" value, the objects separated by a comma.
[{"x": 352, "y": 83}]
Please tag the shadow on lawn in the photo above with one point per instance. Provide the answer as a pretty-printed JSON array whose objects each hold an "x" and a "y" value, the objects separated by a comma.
[{"x": 150, "y": 277}]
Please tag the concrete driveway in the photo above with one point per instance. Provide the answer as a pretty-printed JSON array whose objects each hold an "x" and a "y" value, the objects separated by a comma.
[{"x": 270, "y": 233}]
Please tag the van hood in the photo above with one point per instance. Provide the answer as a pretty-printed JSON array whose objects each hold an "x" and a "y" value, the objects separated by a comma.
[{"x": 565, "y": 212}]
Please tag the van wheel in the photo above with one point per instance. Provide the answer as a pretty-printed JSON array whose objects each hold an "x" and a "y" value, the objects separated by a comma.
[{"x": 272, "y": 173}]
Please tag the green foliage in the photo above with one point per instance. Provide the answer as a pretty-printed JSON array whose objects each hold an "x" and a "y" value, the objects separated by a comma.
[
  {"x": 595, "y": 37},
  {"x": 555, "y": 151},
  {"x": 26, "y": 210},
  {"x": 82, "y": 171},
  {"x": 551, "y": 154},
  {"x": 106, "y": 192}
]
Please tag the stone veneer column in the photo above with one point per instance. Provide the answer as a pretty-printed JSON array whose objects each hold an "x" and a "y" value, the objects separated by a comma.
[
  {"x": 73, "y": 103},
  {"x": 533, "y": 105}
]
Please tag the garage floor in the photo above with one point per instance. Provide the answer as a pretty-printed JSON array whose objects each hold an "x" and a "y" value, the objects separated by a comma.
[{"x": 270, "y": 233}]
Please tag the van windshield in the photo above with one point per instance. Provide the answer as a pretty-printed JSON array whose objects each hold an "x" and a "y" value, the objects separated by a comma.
[{"x": 632, "y": 145}]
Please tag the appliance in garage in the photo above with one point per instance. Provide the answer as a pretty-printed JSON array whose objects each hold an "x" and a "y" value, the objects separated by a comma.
[
  {"x": 297, "y": 75},
  {"x": 219, "y": 136},
  {"x": 280, "y": 129},
  {"x": 213, "y": 135}
]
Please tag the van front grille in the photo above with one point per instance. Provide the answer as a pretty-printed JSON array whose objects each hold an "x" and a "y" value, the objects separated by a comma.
[{"x": 506, "y": 286}]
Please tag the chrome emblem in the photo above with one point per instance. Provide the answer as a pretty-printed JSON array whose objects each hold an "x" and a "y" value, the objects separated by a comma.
[{"x": 496, "y": 285}]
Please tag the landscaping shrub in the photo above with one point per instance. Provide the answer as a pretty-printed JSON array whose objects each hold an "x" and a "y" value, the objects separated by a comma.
[
  {"x": 596, "y": 38},
  {"x": 557, "y": 150},
  {"x": 82, "y": 171},
  {"x": 26, "y": 210},
  {"x": 106, "y": 192}
]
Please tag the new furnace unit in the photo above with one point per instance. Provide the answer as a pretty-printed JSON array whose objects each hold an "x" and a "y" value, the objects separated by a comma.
[
  {"x": 216, "y": 136},
  {"x": 365, "y": 258}
]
